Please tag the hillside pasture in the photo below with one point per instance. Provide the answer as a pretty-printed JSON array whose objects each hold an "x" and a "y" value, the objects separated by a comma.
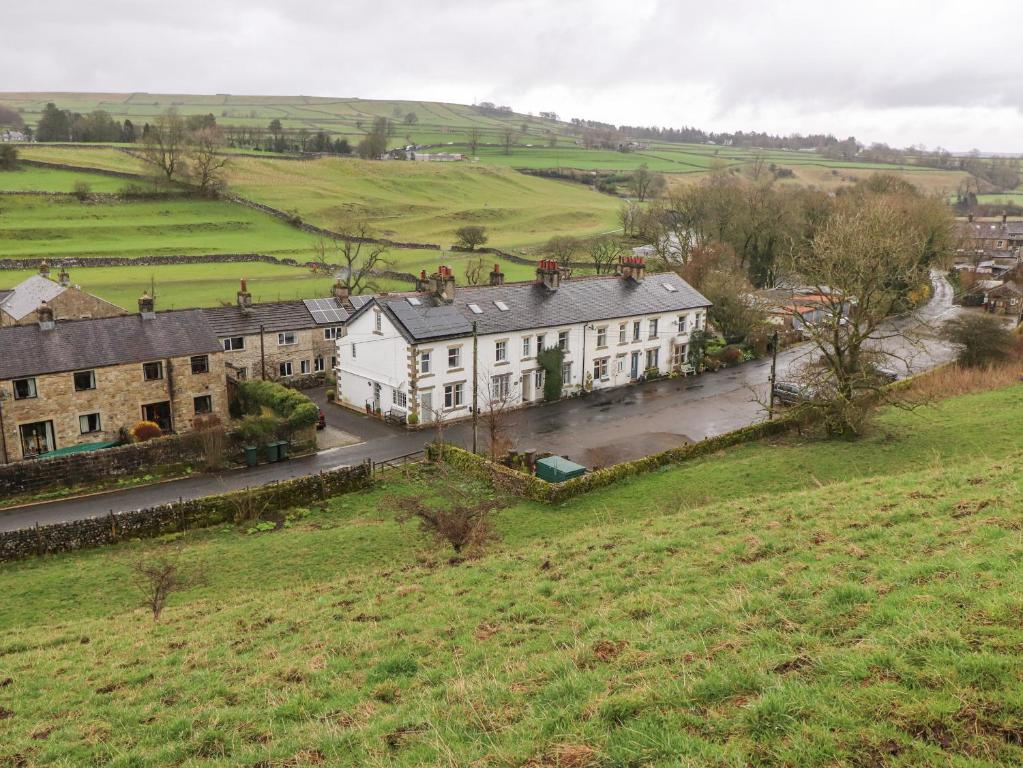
[
  {"x": 28, "y": 178},
  {"x": 34, "y": 226},
  {"x": 793, "y": 603},
  {"x": 182, "y": 286},
  {"x": 427, "y": 202}
]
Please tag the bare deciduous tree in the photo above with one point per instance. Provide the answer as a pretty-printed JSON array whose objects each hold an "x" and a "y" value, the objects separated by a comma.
[
  {"x": 646, "y": 184},
  {"x": 628, "y": 215},
  {"x": 353, "y": 247},
  {"x": 206, "y": 161},
  {"x": 462, "y": 523},
  {"x": 861, "y": 264},
  {"x": 164, "y": 144},
  {"x": 605, "y": 253},
  {"x": 474, "y": 271},
  {"x": 562, "y": 248}
]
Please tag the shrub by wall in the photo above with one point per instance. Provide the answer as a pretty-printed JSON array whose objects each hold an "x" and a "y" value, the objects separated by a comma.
[
  {"x": 180, "y": 516},
  {"x": 297, "y": 410}
]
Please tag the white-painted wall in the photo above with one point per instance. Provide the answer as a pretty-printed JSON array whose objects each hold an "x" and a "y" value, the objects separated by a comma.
[{"x": 382, "y": 359}]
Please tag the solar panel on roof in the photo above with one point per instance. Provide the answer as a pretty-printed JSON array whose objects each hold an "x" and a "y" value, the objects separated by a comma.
[
  {"x": 475, "y": 309},
  {"x": 326, "y": 311}
]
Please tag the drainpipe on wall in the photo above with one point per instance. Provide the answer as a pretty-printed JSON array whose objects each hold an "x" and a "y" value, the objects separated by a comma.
[
  {"x": 262, "y": 355},
  {"x": 170, "y": 390},
  {"x": 3, "y": 430}
]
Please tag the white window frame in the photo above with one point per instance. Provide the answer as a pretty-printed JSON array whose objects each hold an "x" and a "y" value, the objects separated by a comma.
[
  {"x": 566, "y": 374},
  {"x": 681, "y": 323},
  {"x": 563, "y": 341},
  {"x": 283, "y": 339},
  {"x": 400, "y": 399},
  {"x": 600, "y": 369},
  {"x": 82, "y": 423},
  {"x": 234, "y": 344},
  {"x": 454, "y": 353},
  {"x": 652, "y": 327},
  {"x": 501, "y": 351},
  {"x": 454, "y": 395},
  {"x": 425, "y": 361},
  {"x": 303, "y": 367},
  {"x": 527, "y": 346},
  {"x": 602, "y": 336},
  {"x": 286, "y": 368},
  {"x": 319, "y": 364},
  {"x": 331, "y": 334},
  {"x": 623, "y": 333},
  {"x": 500, "y": 386},
  {"x": 92, "y": 381},
  {"x": 637, "y": 329},
  {"x": 195, "y": 401}
]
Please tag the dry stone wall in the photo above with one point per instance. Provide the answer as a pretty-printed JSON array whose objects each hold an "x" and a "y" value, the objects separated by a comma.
[{"x": 180, "y": 516}]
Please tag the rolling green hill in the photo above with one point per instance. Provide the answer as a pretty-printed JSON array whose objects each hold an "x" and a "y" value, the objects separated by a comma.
[{"x": 793, "y": 603}]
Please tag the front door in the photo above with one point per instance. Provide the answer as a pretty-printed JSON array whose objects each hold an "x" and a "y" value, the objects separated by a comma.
[
  {"x": 527, "y": 387},
  {"x": 426, "y": 414},
  {"x": 37, "y": 438},
  {"x": 159, "y": 413},
  {"x": 376, "y": 397},
  {"x": 634, "y": 370}
]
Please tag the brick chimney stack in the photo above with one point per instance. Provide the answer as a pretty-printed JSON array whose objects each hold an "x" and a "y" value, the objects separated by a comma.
[
  {"x": 632, "y": 268},
  {"x": 422, "y": 282},
  {"x": 244, "y": 297},
  {"x": 147, "y": 306},
  {"x": 548, "y": 275},
  {"x": 44, "y": 314},
  {"x": 63, "y": 277},
  {"x": 443, "y": 284},
  {"x": 497, "y": 276},
  {"x": 339, "y": 290},
  {"x": 1005, "y": 218}
]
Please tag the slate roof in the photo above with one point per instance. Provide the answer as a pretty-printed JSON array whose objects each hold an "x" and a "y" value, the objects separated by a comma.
[
  {"x": 27, "y": 295},
  {"x": 531, "y": 305},
  {"x": 4, "y": 295},
  {"x": 74, "y": 345},
  {"x": 996, "y": 229},
  {"x": 274, "y": 317},
  {"x": 1006, "y": 288}
]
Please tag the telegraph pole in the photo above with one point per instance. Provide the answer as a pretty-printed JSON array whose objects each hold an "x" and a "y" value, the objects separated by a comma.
[
  {"x": 262, "y": 355},
  {"x": 774, "y": 370},
  {"x": 475, "y": 385}
]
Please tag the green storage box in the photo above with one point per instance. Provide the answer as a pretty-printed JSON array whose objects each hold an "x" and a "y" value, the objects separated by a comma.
[
  {"x": 273, "y": 452},
  {"x": 283, "y": 447},
  {"x": 555, "y": 469}
]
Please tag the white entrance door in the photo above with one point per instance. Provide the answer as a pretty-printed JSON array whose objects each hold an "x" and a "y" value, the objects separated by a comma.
[
  {"x": 426, "y": 414},
  {"x": 527, "y": 387}
]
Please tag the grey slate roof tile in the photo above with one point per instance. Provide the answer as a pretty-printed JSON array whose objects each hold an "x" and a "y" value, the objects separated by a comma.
[
  {"x": 530, "y": 305},
  {"x": 74, "y": 345}
]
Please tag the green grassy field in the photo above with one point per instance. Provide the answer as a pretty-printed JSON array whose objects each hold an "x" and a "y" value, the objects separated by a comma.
[
  {"x": 32, "y": 226},
  {"x": 794, "y": 603},
  {"x": 427, "y": 202},
  {"x": 180, "y": 286},
  {"x": 29, "y": 179}
]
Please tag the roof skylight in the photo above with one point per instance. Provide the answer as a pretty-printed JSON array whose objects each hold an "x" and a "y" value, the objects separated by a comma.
[
  {"x": 501, "y": 306},
  {"x": 475, "y": 309},
  {"x": 414, "y": 301},
  {"x": 669, "y": 287}
]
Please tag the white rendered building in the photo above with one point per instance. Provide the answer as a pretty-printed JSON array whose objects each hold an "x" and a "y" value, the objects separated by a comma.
[{"x": 411, "y": 355}]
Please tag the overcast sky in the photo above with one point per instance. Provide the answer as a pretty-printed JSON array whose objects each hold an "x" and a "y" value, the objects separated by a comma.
[{"x": 905, "y": 72}]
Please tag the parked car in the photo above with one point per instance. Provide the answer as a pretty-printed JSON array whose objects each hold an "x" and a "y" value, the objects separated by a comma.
[
  {"x": 789, "y": 393},
  {"x": 321, "y": 422},
  {"x": 886, "y": 374}
]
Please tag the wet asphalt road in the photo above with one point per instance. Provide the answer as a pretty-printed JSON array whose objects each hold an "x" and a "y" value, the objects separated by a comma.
[{"x": 599, "y": 429}]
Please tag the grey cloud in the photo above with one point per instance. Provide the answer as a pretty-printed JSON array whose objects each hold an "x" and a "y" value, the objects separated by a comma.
[{"x": 904, "y": 72}]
